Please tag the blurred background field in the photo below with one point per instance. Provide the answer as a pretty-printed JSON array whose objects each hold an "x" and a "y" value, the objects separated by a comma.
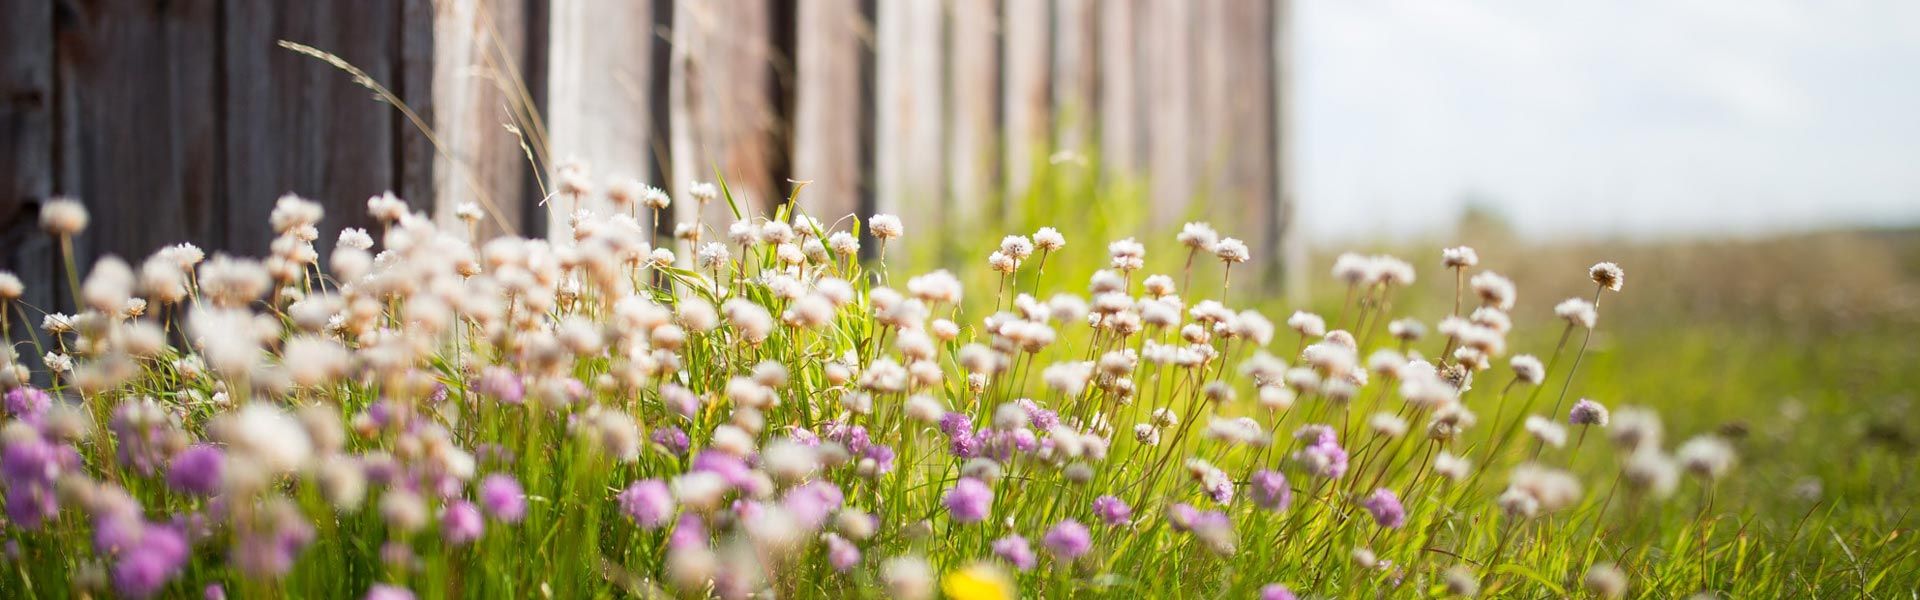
[{"x": 1780, "y": 308}]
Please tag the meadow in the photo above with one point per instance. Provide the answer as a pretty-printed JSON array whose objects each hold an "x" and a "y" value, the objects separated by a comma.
[{"x": 809, "y": 406}]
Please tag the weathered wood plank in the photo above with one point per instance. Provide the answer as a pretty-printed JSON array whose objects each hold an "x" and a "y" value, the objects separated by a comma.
[
  {"x": 1027, "y": 104},
  {"x": 138, "y": 137},
  {"x": 908, "y": 154},
  {"x": 1120, "y": 116},
  {"x": 1166, "y": 63},
  {"x": 478, "y": 95},
  {"x": 599, "y": 111},
  {"x": 973, "y": 123},
  {"x": 1286, "y": 240},
  {"x": 295, "y": 124},
  {"x": 415, "y": 85},
  {"x": 827, "y": 121},
  {"x": 723, "y": 92},
  {"x": 1076, "y": 66},
  {"x": 27, "y": 98}
]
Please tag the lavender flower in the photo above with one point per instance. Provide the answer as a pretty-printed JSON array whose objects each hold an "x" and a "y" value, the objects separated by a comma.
[
  {"x": 1588, "y": 412},
  {"x": 1269, "y": 490},
  {"x": 969, "y": 501},
  {"x": 1068, "y": 540},
  {"x": 461, "y": 522},
  {"x": 381, "y": 591},
  {"x": 841, "y": 554},
  {"x": 197, "y": 470},
  {"x": 1112, "y": 510},
  {"x": 648, "y": 503},
  {"x": 1015, "y": 550},
  {"x": 28, "y": 404},
  {"x": 503, "y": 498},
  {"x": 673, "y": 439},
  {"x": 1386, "y": 508},
  {"x": 1275, "y": 591},
  {"x": 150, "y": 562},
  {"x": 503, "y": 385}
]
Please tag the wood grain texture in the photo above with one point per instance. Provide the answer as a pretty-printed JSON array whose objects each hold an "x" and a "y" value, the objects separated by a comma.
[
  {"x": 600, "y": 112},
  {"x": 833, "y": 36},
  {"x": 723, "y": 86},
  {"x": 27, "y": 102}
]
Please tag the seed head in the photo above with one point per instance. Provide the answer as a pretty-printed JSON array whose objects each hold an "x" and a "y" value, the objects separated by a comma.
[{"x": 1608, "y": 275}]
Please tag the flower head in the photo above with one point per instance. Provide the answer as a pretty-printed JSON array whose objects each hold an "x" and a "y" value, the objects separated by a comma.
[{"x": 1068, "y": 539}]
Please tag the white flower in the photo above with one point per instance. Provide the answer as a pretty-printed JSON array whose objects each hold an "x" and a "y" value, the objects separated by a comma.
[
  {"x": 1608, "y": 275},
  {"x": 1528, "y": 369},
  {"x": 268, "y": 436},
  {"x": 1231, "y": 250},
  {"x": 1127, "y": 255},
  {"x": 1197, "y": 236},
  {"x": 57, "y": 362},
  {"x": 63, "y": 217},
  {"x": 1459, "y": 257},
  {"x": 886, "y": 227},
  {"x": 1494, "y": 290},
  {"x": 356, "y": 238},
  {"x": 1706, "y": 456},
  {"x": 1016, "y": 246},
  {"x": 703, "y": 192},
  {"x": 1049, "y": 239},
  {"x": 10, "y": 286},
  {"x": 713, "y": 255},
  {"x": 1577, "y": 311},
  {"x": 1546, "y": 431},
  {"x": 466, "y": 211},
  {"x": 1307, "y": 324}
]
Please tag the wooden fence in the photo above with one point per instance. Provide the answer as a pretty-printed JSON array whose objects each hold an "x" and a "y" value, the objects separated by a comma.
[{"x": 183, "y": 120}]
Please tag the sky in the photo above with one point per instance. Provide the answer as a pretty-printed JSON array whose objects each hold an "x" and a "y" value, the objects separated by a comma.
[{"x": 1636, "y": 118}]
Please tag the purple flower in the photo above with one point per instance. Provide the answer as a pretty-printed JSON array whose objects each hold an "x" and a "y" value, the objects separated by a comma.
[
  {"x": 690, "y": 531},
  {"x": 882, "y": 457},
  {"x": 1587, "y": 412},
  {"x": 810, "y": 504},
  {"x": 150, "y": 562},
  {"x": 965, "y": 445},
  {"x": 215, "y": 591},
  {"x": 28, "y": 404},
  {"x": 461, "y": 522},
  {"x": 956, "y": 423},
  {"x": 648, "y": 503},
  {"x": 1041, "y": 418},
  {"x": 1182, "y": 516},
  {"x": 854, "y": 437},
  {"x": 503, "y": 385},
  {"x": 1386, "y": 508},
  {"x": 29, "y": 466},
  {"x": 381, "y": 591},
  {"x": 1269, "y": 490},
  {"x": 673, "y": 439},
  {"x": 842, "y": 554},
  {"x": 197, "y": 469},
  {"x": 503, "y": 498},
  {"x": 1068, "y": 540},
  {"x": 1325, "y": 457},
  {"x": 1112, "y": 510},
  {"x": 1014, "y": 549},
  {"x": 269, "y": 549},
  {"x": 727, "y": 466},
  {"x": 1275, "y": 591},
  {"x": 969, "y": 501}
]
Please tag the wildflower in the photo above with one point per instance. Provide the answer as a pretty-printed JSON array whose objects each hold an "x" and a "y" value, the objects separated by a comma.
[
  {"x": 1450, "y": 466},
  {"x": 1275, "y": 591},
  {"x": 1197, "y": 236},
  {"x": 10, "y": 286},
  {"x": 703, "y": 192},
  {"x": 1605, "y": 580},
  {"x": 461, "y": 522},
  {"x": 1494, "y": 290},
  {"x": 1587, "y": 412},
  {"x": 154, "y": 557},
  {"x": 1048, "y": 239},
  {"x": 977, "y": 581},
  {"x": 907, "y": 577},
  {"x": 1111, "y": 510},
  {"x": 1706, "y": 456},
  {"x": 1534, "y": 489},
  {"x": 1385, "y": 508},
  {"x": 268, "y": 436},
  {"x": 1269, "y": 490},
  {"x": 1231, "y": 250},
  {"x": 197, "y": 470},
  {"x": 1528, "y": 369},
  {"x": 1127, "y": 255},
  {"x": 1577, "y": 311},
  {"x": 969, "y": 500},
  {"x": 648, "y": 502},
  {"x": 1635, "y": 428},
  {"x": 886, "y": 227},
  {"x": 62, "y": 217},
  {"x": 1607, "y": 275},
  {"x": 1406, "y": 330},
  {"x": 1307, "y": 324},
  {"x": 28, "y": 404},
  {"x": 1545, "y": 431},
  {"x": 1353, "y": 269},
  {"x": 1017, "y": 247},
  {"x": 1068, "y": 540},
  {"x": 1015, "y": 550},
  {"x": 501, "y": 495},
  {"x": 1649, "y": 471},
  {"x": 841, "y": 554},
  {"x": 1459, "y": 257}
]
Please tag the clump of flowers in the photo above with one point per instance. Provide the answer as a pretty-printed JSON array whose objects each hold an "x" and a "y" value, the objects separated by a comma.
[{"x": 759, "y": 414}]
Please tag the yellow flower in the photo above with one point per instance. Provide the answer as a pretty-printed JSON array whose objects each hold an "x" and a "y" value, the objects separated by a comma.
[{"x": 977, "y": 581}]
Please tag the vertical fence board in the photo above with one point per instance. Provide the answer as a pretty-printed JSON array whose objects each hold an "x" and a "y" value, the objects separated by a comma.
[
  {"x": 599, "y": 109},
  {"x": 1075, "y": 66},
  {"x": 826, "y": 137},
  {"x": 1167, "y": 62},
  {"x": 908, "y": 155},
  {"x": 1246, "y": 130},
  {"x": 1289, "y": 248},
  {"x": 973, "y": 96},
  {"x": 27, "y": 99},
  {"x": 1119, "y": 99},
  {"x": 724, "y": 56},
  {"x": 414, "y": 83},
  {"x": 1027, "y": 27},
  {"x": 295, "y": 124},
  {"x": 138, "y": 132},
  {"x": 477, "y": 94}
]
